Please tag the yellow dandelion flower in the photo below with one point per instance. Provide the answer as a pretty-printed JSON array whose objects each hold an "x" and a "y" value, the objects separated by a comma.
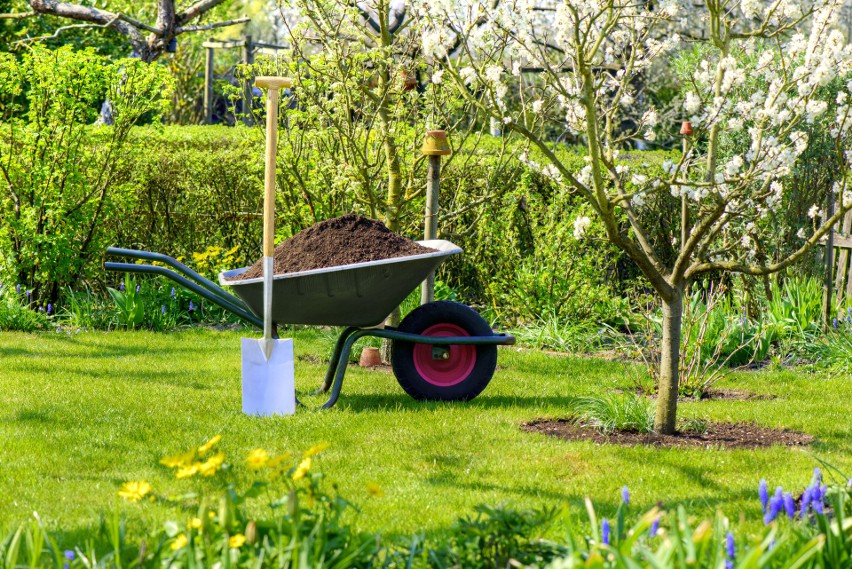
[
  {"x": 316, "y": 449},
  {"x": 177, "y": 460},
  {"x": 179, "y": 542},
  {"x": 187, "y": 471},
  {"x": 195, "y": 523},
  {"x": 302, "y": 469},
  {"x": 257, "y": 459},
  {"x": 134, "y": 491},
  {"x": 209, "y": 444},
  {"x": 237, "y": 540},
  {"x": 375, "y": 490},
  {"x": 212, "y": 465}
]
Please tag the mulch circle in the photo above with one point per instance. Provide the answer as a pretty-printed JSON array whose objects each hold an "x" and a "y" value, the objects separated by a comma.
[
  {"x": 340, "y": 241},
  {"x": 725, "y": 435}
]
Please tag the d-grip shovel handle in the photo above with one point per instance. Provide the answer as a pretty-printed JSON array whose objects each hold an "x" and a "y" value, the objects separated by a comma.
[{"x": 273, "y": 85}]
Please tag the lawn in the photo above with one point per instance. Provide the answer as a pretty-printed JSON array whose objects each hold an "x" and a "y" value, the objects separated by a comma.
[{"x": 83, "y": 413}]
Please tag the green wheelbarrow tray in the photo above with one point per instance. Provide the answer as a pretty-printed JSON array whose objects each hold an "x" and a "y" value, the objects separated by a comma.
[
  {"x": 358, "y": 297},
  {"x": 360, "y": 294}
]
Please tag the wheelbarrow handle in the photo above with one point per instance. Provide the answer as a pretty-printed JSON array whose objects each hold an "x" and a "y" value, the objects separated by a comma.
[{"x": 180, "y": 268}]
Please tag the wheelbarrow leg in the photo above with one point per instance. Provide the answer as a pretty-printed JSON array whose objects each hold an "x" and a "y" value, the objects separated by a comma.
[
  {"x": 352, "y": 335},
  {"x": 334, "y": 362}
]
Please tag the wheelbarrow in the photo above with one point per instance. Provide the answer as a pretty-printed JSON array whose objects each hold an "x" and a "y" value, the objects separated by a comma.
[{"x": 441, "y": 350}]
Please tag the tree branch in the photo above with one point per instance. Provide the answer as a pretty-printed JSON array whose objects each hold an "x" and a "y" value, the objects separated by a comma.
[
  {"x": 196, "y": 10},
  {"x": 17, "y": 16},
  {"x": 186, "y": 29}
]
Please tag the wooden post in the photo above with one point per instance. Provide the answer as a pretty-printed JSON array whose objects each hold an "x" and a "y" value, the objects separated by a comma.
[
  {"x": 685, "y": 131},
  {"x": 248, "y": 59},
  {"x": 208, "y": 85},
  {"x": 827, "y": 291},
  {"x": 435, "y": 146}
]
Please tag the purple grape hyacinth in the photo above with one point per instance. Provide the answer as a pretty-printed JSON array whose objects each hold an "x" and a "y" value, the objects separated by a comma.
[
  {"x": 776, "y": 504},
  {"x": 763, "y": 492},
  {"x": 605, "y": 531},
  {"x": 655, "y": 527},
  {"x": 49, "y": 308},
  {"x": 625, "y": 495},
  {"x": 17, "y": 289},
  {"x": 789, "y": 505},
  {"x": 191, "y": 306}
]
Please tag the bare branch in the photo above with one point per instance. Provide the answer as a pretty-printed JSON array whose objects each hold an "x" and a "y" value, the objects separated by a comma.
[
  {"x": 196, "y": 10},
  {"x": 187, "y": 29},
  {"x": 16, "y": 16},
  {"x": 56, "y": 33},
  {"x": 102, "y": 18}
]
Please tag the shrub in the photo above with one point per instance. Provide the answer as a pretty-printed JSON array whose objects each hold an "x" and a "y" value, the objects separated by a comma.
[{"x": 61, "y": 185}]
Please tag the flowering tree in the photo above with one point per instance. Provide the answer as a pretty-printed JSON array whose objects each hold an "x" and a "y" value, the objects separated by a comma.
[{"x": 759, "y": 80}]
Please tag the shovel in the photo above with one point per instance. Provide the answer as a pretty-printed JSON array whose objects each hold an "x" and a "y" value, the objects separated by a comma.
[{"x": 268, "y": 372}]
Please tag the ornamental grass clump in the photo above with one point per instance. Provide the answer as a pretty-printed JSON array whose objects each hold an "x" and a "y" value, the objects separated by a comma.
[{"x": 609, "y": 413}]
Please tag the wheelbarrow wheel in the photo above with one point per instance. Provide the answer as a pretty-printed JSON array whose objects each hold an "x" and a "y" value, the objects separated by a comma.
[{"x": 456, "y": 373}]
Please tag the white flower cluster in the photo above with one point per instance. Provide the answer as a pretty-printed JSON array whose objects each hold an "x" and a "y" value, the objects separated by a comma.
[{"x": 581, "y": 224}]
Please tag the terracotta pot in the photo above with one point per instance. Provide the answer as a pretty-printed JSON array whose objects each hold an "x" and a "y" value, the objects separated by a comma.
[
  {"x": 370, "y": 357},
  {"x": 686, "y": 128}
]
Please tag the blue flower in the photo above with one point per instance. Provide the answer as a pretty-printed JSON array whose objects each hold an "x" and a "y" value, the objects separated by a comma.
[
  {"x": 163, "y": 309},
  {"x": 776, "y": 504},
  {"x": 834, "y": 322},
  {"x": 605, "y": 531},
  {"x": 29, "y": 294},
  {"x": 17, "y": 289},
  {"x": 191, "y": 306},
  {"x": 49, "y": 308},
  {"x": 138, "y": 287},
  {"x": 789, "y": 505},
  {"x": 655, "y": 526},
  {"x": 806, "y": 501},
  {"x": 69, "y": 555},
  {"x": 173, "y": 292},
  {"x": 764, "y": 494},
  {"x": 729, "y": 564},
  {"x": 625, "y": 495},
  {"x": 730, "y": 546},
  {"x": 121, "y": 287}
]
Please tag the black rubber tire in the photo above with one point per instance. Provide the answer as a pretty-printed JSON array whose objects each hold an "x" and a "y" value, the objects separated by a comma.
[{"x": 443, "y": 312}]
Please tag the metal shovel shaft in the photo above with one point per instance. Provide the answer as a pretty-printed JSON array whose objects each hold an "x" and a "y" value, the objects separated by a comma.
[{"x": 272, "y": 84}]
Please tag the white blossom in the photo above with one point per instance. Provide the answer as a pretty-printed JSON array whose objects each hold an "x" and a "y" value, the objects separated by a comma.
[{"x": 580, "y": 225}]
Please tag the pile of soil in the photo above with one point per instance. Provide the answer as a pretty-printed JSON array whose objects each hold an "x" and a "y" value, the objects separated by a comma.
[
  {"x": 339, "y": 241},
  {"x": 725, "y": 435}
]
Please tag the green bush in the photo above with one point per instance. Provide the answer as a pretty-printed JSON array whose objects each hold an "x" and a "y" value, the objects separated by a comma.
[
  {"x": 202, "y": 189},
  {"x": 63, "y": 185}
]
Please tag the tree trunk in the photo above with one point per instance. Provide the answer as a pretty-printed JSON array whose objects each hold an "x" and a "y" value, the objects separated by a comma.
[{"x": 666, "y": 415}]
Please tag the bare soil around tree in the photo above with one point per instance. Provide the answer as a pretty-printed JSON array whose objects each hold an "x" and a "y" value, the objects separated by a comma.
[{"x": 725, "y": 435}]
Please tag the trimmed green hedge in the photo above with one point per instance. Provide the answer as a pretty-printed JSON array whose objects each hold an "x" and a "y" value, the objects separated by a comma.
[{"x": 198, "y": 188}]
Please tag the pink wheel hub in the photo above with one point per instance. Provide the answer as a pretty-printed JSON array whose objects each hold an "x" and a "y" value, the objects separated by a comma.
[{"x": 450, "y": 371}]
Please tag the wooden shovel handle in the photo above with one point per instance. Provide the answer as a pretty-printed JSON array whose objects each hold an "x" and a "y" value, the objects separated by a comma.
[{"x": 273, "y": 85}]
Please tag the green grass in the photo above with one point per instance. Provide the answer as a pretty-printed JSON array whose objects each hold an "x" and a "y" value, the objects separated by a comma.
[{"x": 83, "y": 413}]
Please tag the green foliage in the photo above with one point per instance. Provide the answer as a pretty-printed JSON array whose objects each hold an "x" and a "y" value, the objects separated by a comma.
[
  {"x": 17, "y": 313},
  {"x": 131, "y": 306},
  {"x": 608, "y": 413},
  {"x": 303, "y": 525},
  {"x": 60, "y": 189}
]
